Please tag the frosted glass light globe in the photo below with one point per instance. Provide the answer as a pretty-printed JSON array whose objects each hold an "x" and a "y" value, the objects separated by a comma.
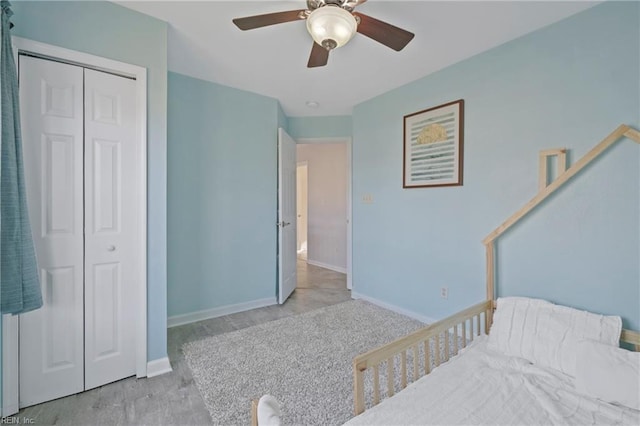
[{"x": 331, "y": 26}]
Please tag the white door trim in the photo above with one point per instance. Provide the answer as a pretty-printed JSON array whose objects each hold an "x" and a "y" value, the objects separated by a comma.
[
  {"x": 347, "y": 142},
  {"x": 299, "y": 165},
  {"x": 10, "y": 323},
  {"x": 10, "y": 379}
]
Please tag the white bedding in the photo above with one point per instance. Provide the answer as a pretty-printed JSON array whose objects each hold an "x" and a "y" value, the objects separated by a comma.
[
  {"x": 547, "y": 334},
  {"x": 482, "y": 387}
]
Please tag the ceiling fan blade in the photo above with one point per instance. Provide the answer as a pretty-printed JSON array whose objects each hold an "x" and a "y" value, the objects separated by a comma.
[
  {"x": 387, "y": 34},
  {"x": 257, "y": 21},
  {"x": 319, "y": 56}
]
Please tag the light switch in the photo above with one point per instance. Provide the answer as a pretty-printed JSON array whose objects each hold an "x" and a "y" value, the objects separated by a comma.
[{"x": 367, "y": 199}]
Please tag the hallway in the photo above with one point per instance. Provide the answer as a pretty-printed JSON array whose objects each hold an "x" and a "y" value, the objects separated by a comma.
[
  {"x": 319, "y": 287},
  {"x": 315, "y": 277}
]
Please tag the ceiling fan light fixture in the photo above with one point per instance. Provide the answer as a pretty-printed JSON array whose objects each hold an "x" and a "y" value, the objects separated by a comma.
[{"x": 331, "y": 26}]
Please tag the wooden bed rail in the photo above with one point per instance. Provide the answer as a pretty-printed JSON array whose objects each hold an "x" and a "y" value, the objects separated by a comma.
[
  {"x": 254, "y": 412},
  {"x": 631, "y": 338},
  {"x": 425, "y": 348}
]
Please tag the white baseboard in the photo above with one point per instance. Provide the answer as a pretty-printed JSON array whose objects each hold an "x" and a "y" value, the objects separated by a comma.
[
  {"x": 183, "y": 319},
  {"x": 327, "y": 266},
  {"x": 394, "y": 308},
  {"x": 158, "y": 367}
]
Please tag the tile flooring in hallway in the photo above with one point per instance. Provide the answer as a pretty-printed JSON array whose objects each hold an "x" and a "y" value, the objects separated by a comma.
[{"x": 173, "y": 399}]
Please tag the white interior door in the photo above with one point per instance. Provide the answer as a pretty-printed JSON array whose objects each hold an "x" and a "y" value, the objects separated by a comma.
[
  {"x": 110, "y": 167},
  {"x": 51, "y": 338},
  {"x": 287, "y": 276}
]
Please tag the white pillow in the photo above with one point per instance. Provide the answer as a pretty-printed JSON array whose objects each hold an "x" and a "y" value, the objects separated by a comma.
[
  {"x": 608, "y": 373},
  {"x": 547, "y": 334}
]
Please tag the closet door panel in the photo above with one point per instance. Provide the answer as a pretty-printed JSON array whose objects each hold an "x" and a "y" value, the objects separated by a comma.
[
  {"x": 51, "y": 338},
  {"x": 111, "y": 161}
]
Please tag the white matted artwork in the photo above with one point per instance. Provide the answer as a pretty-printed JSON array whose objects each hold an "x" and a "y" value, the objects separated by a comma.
[{"x": 433, "y": 146}]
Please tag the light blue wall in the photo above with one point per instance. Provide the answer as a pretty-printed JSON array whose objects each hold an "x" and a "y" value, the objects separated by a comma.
[
  {"x": 222, "y": 195},
  {"x": 108, "y": 30},
  {"x": 320, "y": 127},
  {"x": 569, "y": 84}
]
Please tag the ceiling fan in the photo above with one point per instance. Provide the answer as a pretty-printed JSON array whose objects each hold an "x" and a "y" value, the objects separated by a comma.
[{"x": 332, "y": 23}]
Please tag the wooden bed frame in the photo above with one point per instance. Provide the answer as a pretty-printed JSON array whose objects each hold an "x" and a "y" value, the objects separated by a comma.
[
  {"x": 463, "y": 326},
  {"x": 468, "y": 322},
  {"x": 254, "y": 412}
]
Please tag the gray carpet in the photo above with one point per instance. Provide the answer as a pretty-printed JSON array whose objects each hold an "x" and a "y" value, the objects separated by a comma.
[{"x": 305, "y": 361}]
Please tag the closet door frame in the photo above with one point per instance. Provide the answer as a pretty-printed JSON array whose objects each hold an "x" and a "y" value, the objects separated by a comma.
[{"x": 10, "y": 331}]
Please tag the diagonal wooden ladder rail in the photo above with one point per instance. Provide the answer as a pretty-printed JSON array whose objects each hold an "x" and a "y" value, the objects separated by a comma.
[{"x": 622, "y": 131}]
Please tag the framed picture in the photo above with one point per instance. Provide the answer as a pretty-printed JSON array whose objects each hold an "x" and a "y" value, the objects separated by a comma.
[{"x": 433, "y": 146}]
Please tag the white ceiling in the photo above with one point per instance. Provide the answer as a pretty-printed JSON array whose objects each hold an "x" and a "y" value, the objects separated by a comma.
[{"x": 204, "y": 43}]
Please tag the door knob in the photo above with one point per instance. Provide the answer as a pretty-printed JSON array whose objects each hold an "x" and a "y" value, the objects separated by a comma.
[{"x": 111, "y": 248}]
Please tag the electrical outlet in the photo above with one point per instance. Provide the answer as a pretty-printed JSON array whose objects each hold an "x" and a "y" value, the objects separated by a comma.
[
  {"x": 444, "y": 292},
  {"x": 367, "y": 199}
]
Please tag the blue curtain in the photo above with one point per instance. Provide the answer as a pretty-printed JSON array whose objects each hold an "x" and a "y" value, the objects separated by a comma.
[{"x": 19, "y": 284}]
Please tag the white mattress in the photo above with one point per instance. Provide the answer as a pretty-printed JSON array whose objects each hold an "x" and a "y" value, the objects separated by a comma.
[{"x": 482, "y": 387}]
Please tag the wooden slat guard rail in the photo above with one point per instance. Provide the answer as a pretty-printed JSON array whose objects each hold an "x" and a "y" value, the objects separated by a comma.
[{"x": 463, "y": 320}]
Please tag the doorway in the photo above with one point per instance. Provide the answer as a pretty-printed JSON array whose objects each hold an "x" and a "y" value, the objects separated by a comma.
[
  {"x": 302, "y": 199},
  {"x": 324, "y": 228}
]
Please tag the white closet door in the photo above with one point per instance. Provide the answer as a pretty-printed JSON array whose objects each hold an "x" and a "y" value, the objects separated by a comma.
[
  {"x": 111, "y": 161},
  {"x": 51, "y": 338}
]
